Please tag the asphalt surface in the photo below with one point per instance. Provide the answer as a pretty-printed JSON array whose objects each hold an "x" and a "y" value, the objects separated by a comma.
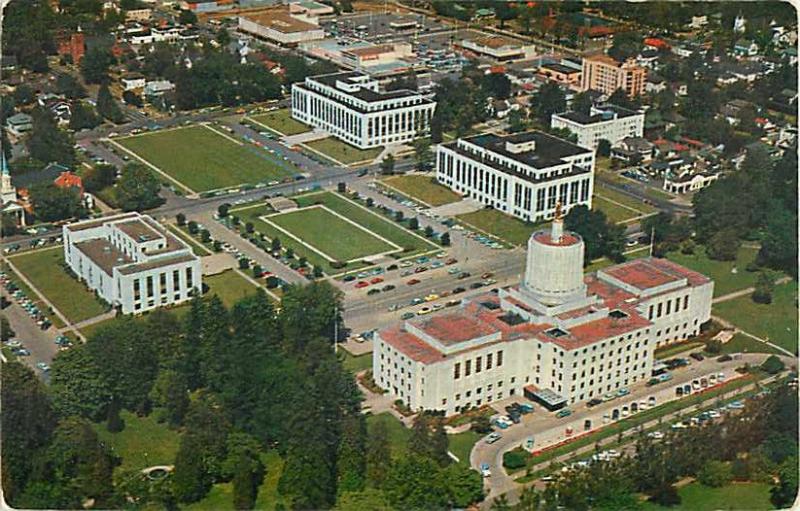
[{"x": 546, "y": 429}]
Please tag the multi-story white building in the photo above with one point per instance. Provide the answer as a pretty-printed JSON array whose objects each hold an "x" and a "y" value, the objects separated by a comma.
[
  {"x": 282, "y": 27},
  {"x": 352, "y": 107},
  {"x": 558, "y": 337},
  {"x": 132, "y": 262},
  {"x": 609, "y": 122},
  {"x": 525, "y": 174}
]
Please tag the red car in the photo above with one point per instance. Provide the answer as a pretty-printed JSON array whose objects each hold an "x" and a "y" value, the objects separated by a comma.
[
  {"x": 412, "y": 282},
  {"x": 362, "y": 283},
  {"x": 452, "y": 260},
  {"x": 376, "y": 280}
]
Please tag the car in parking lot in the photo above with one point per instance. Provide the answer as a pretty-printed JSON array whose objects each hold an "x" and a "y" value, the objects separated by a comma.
[
  {"x": 697, "y": 356},
  {"x": 487, "y": 275},
  {"x": 564, "y": 412},
  {"x": 457, "y": 290},
  {"x": 349, "y": 278},
  {"x": 387, "y": 287},
  {"x": 376, "y": 280},
  {"x": 42, "y": 366},
  {"x": 412, "y": 282},
  {"x": 450, "y": 261},
  {"x": 424, "y": 310},
  {"x": 362, "y": 284},
  {"x": 431, "y": 297},
  {"x": 476, "y": 285},
  {"x": 373, "y": 291},
  {"x": 593, "y": 402},
  {"x": 493, "y": 437},
  {"x": 485, "y": 472},
  {"x": 463, "y": 275},
  {"x": 407, "y": 315}
]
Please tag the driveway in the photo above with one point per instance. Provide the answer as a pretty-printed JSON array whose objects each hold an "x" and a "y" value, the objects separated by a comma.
[
  {"x": 547, "y": 429},
  {"x": 39, "y": 342}
]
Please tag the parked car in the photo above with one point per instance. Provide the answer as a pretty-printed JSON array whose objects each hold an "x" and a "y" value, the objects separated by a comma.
[
  {"x": 412, "y": 282},
  {"x": 376, "y": 280},
  {"x": 697, "y": 356},
  {"x": 593, "y": 402},
  {"x": 493, "y": 437},
  {"x": 407, "y": 315},
  {"x": 564, "y": 412},
  {"x": 362, "y": 284},
  {"x": 485, "y": 472}
]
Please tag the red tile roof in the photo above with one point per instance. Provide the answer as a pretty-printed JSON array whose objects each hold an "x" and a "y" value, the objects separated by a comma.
[
  {"x": 453, "y": 328},
  {"x": 641, "y": 274},
  {"x": 69, "y": 180},
  {"x": 410, "y": 345}
]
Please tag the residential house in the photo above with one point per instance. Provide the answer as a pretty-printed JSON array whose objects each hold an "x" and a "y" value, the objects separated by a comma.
[
  {"x": 633, "y": 150},
  {"x": 19, "y": 124}
]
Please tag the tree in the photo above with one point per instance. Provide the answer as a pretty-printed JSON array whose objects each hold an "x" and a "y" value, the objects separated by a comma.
[
  {"x": 275, "y": 244},
  {"x": 180, "y": 219},
  {"x": 549, "y": 100},
  {"x": 366, "y": 500},
  {"x": 423, "y": 154},
  {"x": 48, "y": 143},
  {"x": 107, "y": 106},
  {"x": 772, "y": 365},
  {"x": 170, "y": 392},
  {"x": 69, "y": 86},
  {"x": 95, "y": 64},
  {"x": 516, "y": 121},
  {"x": 496, "y": 85},
  {"x": 715, "y": 474},
  {"x": 464, "y": 484},
  {"x": 765, "y": 284},
  {"x": 413, "y": 224},
  {"x": 416, "y": 482},
  {"x": 582, "y": 103},
  {"x": 52, "y": 203},
  {"x": 387, "y": 165},
  {"x": 83, "y": 117},
  {"x": 378, "y": 455},
  {"x": 481, "y": 424},
  {"x": 398, "y": 216},
  {"x": 99, "y": 177},
  {"x": 138, "y": 189},
  {"x": 130, "y": 97},
  {"x": 223, "y": 209},
  {"x": 27, "y": 425},
  {"x": 428, "y": 231},
  {"x": 783, "y": 494},
  {"x": 445, "y": 239},
  {"x": 24, "y": 94},
  {"x": 77, "y": 460},
  {"x": 724, "y": 245},
  {"x": 601, "y": 237},
  {"x": 193, "y": 227},
  {"x": 187, "y": 17},
  {"x": 604, "y": 147},
  {"x": 351, "y": 455},
  {"x": 626, "y": 45}
]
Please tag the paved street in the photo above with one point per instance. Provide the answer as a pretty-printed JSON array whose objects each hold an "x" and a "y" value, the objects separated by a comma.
[{"x": 548, "y": 430}]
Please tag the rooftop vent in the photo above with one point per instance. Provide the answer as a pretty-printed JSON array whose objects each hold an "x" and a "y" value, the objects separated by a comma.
[
  {"x": 555, "y": 333},
  {"x": 490, "y": 305},
  {"x": 617, "y": 314},
  {"x": 512, "y": 319},
  {"x": 520, "y": 147}
]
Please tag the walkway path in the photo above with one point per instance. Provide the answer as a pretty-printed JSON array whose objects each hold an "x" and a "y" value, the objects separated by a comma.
[
  {"x": 302, "y": 138},
  {"x": 746, "y": 291},
  {"x": 91, "y": 321}
]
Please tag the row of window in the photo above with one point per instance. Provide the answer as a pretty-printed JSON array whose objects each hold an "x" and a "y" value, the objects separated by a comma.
[
  {"x": 667, "y": 307},
  {"x": 498, "y": 361}
]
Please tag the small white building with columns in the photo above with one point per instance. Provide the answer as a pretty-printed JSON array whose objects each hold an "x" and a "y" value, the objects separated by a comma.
[
  {"x": 524, "y": 174},
  {"x": 353, "y": 108},
  {"x": 558, "y": 337}
]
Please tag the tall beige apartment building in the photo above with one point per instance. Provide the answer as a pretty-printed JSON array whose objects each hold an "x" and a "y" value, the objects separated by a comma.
[{"x": 603, "y": 73}]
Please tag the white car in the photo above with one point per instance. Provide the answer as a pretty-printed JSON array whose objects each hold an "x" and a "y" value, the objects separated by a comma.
[
  {"x": 656, "y": 435},
  {"x": 493, "y": 437}
]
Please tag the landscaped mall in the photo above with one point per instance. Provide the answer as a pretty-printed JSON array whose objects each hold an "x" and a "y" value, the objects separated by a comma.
[{"x": 559, "y": 337}]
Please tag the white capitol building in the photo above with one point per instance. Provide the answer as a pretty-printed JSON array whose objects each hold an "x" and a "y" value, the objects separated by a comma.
[{"x": 559, "y": 337}]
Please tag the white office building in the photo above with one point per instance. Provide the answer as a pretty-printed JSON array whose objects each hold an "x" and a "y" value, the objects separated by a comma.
[
  {"x": 352, "y": 107},
  {"x": 609, "y": 122},
  {"x": 132, "y": 262},
  {"x": 557, "y": 338},
  {"x": 524, "y": 175}
]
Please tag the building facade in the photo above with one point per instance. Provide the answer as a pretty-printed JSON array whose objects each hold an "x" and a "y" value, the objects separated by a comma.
[
  {"x": 609, "y": 122},
  {"x": 558, "y": 337},
  {"x": 352, "y": 108},
  {"x": 603, "y": 73},
  {"x": 132, "y": 262},
  {"x": 525, "y": 175},
  {"x": 280, "y": 26}
]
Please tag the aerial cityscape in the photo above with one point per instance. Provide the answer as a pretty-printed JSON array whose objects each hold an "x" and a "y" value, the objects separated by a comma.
[{"x": 399, "y": 255}]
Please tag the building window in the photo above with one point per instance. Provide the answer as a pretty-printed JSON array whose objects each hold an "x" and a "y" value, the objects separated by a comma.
[
  {"x": 499, "y": 358},
  {"x": 477, "y": 365},
  {"x": 467, "y": 367},
  {"x": 488, "y": 361}
]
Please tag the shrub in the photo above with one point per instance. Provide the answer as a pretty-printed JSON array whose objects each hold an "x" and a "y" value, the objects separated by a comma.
[
  {"x": 513, "y": 460},
  {"x": 337, "y": 264},
  {"x": 715, "y": 474},
  {"x": 772, "y": 365},
  {"x": 181, "y": 219}
]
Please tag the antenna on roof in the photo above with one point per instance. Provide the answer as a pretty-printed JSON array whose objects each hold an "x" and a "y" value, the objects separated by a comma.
[{"x": 652, "y": 239}]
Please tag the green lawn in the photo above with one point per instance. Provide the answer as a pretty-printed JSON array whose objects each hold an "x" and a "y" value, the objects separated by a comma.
[
  {"x": 355, "y": 363},
  {"x": 376, "y": 223},
  {"x": 342, "y": 152},
  {"x": 500, "y": 225},
  {"x": 776, "y": 321},
  {"x": 44, "y": 269},
  {"x": 220, "y": 497},
  {"x": 330, "y": 234},
  {"x": 461, "y": 445},
  {"x": 204, "y": 159},
  {"x": 671, "y": 351},
  {"x": 720, "y": 271},
  {"x": 697, "y": 497},
  {"x": 229, "y": 286},
  {"x": 197, "y": 247},
  {"x": 423, "y": 188},
  {"x": 281, "y": 122},
  {"x": 614, "y": 212},
  {"x": 398, "y": 434},
  {"x": 741, "y": 343},
  {"x": 143, "y": 443},
  {"x": 626, "y": 200}
]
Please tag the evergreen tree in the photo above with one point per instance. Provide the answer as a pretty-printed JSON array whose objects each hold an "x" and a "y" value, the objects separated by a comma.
[
  {"x": 47, "y": 143},
  {"x": 351, "y": 456},
  {"x": 378, "y": 458},
  {"x": 107, "y": 106},
  {"x": 137, "y": 189}
]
